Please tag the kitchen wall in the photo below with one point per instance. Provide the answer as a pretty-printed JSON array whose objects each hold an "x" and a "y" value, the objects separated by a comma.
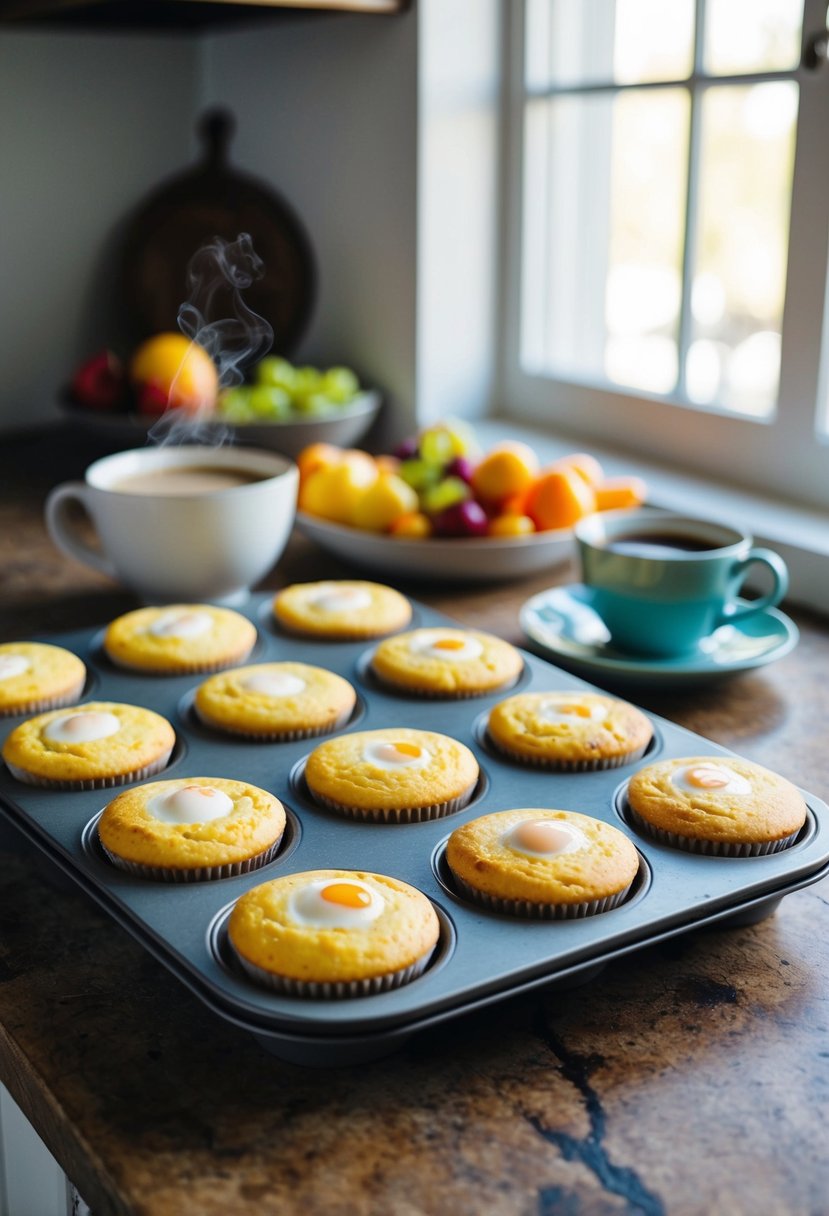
[{"x": 380, "y": 131}]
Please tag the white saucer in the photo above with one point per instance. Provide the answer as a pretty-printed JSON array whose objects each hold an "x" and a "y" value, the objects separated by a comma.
[{"x": 564, "y": 626}]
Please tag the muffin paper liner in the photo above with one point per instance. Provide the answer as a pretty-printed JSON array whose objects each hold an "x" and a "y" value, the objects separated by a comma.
[
  {"x": 528, "y": 909},
  {"x": 439, "y": 694},
  {"x": 197, "y": 874},
  {"x": 45, "y": 703},
  {"x": 711, "y": 848},
  {"x": 333, "y": 989},
  {"x": 91, "y": 783},
  {"x": 570, "y": 766},
  {"x": 183, "y": 669},
  {"x": 282, "y": 736},
  {"x": 406, "y": 814}
]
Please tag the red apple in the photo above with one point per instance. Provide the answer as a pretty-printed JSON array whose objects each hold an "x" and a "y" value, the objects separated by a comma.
[{"x": 100, "y": 383}]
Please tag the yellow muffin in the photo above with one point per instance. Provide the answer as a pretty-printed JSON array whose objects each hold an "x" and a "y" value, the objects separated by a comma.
[
  {"x": 93, "y": 746},
  {"x": 276, "y": 701},
  {"x": 337, "y": 933},
  {"x": 438, "y": 662},
  {"x": 192, "y": 829},
  {"x": 542, "y": 863},
  {"x": 398, "y": 775},
  {"x": 576, "y": 731},
  {"x": 719, "y": 805},
  {"x": 179, "y": 638},
  {"x": 34, "y": 676},
  {"x": 342, "y": 609}
]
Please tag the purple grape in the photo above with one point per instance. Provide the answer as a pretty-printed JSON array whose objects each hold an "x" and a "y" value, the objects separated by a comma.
[
  {"x": 407, "y": 449},
  {"x": 463, "y": 519},
  {"x": 461, "y": 467}
]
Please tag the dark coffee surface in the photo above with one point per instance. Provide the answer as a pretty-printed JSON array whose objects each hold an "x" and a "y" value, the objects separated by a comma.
[{"x": 660, "y": 544}]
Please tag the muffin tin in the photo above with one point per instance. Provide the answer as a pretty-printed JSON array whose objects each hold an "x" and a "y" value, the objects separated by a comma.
[{"x": 481, "y": 957}]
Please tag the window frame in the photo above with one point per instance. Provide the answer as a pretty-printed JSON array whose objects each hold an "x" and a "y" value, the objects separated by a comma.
[{"x": 784, "y": 455}]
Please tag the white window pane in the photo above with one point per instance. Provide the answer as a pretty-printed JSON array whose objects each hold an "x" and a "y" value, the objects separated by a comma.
[
  {"x": 625, "y": 41},
  {"x": 604, "y": 195},
  {"x": 742, "y": 237},
  {"x": 752, "y": 35}
]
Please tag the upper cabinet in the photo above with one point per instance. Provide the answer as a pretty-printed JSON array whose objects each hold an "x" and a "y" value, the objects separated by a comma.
[{"x": 172, "y": 14}]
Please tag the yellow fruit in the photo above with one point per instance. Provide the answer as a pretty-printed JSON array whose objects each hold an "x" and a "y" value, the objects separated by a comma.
[
  {"x": 333, "y": 491},
  {"x": 170, "y": 366},
  {"x": 617, "y": 492},
  {"x": 317, "y": 456},
  {"x": 415, "y": 526},
  {"x": 383, "y": 502},
  {"x": 511, "y": 525},
  {"x": 587, "y": 467},
  {"x": 507, "y": 470}
]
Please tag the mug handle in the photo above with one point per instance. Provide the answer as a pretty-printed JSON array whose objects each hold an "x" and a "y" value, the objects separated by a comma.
[
  {"x": 773, "y": 562},
  {"x": 63, "y": 531}
]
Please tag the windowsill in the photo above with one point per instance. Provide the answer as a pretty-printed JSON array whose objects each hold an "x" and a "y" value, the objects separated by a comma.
[{"x": 799, "y": 534}]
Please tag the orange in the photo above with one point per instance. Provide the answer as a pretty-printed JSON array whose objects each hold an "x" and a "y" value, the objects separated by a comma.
[
  {"x": 177, "y": 371},
  {"x": 317, "y": 456},
  {"x": 507, "y": 470},
  {"x": 617, "y": 492},
  {"x": 511, "y": 524},
  {"x": 585, "y": 465},
  {"x": 559, "y": 498}
]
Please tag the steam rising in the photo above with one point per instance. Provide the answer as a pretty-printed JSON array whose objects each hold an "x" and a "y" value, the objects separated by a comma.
[{"x": 216, "y": 317}]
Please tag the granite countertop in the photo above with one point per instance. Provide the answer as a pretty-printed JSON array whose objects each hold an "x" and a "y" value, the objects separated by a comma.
[{"x": 691, "y": 1077}]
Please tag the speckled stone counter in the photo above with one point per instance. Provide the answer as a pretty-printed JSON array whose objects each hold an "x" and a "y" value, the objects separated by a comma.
[{"x": 692, "y": 1077}]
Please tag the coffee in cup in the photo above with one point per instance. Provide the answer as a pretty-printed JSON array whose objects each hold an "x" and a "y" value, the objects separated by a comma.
[
  {"x": 663, "y": 582},
  {"x": 184, "y": 523}
]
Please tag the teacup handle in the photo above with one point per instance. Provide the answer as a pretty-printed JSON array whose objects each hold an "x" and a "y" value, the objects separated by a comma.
[
  {"x": 63, "y": 531},
  {"x": 773, "y": 562}
]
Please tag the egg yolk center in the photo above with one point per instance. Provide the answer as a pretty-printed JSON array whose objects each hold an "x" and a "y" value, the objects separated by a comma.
[
  {"x": 203, "y": 790},
  {"x": 346, "y": 895},
  {"x": 449, "y": 644},
  {"x": 399, "y": 751},
  {"x": 579, "y": 711},
  {"x": 706, "y": 778}
]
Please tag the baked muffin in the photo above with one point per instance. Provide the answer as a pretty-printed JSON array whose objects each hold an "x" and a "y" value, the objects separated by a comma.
[
  {"x": 276, "y": 701},
  {"x": 341, "y": 609},
  {"x": 398, "y": 775},
  {"x": 93, "y": 746},
  {"x": 438, "y": 662},
  {"x": 192, "y": 829},
  {"x": 574, "y": 731},
  {"x": 35, "y": 676},
  {"x": 179, "y": 639},
  {"x": 333, "y": 933},
  {"x": 719, "y": 805},
  {"x": 542, "y": 863}
]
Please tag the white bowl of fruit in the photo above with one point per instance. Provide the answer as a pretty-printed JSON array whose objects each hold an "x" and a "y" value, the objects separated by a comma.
[
  {"x": 171, "y": 384},
  {"x": 439, "y": 508}
]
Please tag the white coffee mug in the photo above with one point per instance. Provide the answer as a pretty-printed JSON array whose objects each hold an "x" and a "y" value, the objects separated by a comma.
[{"x": 186, "y": 546}]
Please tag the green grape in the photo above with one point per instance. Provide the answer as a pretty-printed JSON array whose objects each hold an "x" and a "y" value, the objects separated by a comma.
[
  {"x": 446, "y": 493},
  {"x": 462, "y": 435},
  {"x": 276, "y": 372},
  {"x": 435, "y": 446},
  {"x": 340, "y": 384},
  {"x": 268, "y": 401},
  {"x": 234, "y": 404},
  {"x": 313, "y": 403},
  {"x": 418, "y": 473}
]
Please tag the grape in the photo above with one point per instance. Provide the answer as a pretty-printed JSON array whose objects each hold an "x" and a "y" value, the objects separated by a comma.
[
  {"x": 407, "y": 449},
  {"x": 277, "y": 372},
  {"x": 313, "y": 403},
  {"x": 445, "y": 494},
  {"x": 461, "y": 467},
  {"x": 268, "y": 401},
  {"x": 436, "y": 446},
  {"x": 340, "y": 384},
  {"x": 463, "y": 519},
  {"x": 418, "y": 474},
  {"x": 234, "y": 404}
]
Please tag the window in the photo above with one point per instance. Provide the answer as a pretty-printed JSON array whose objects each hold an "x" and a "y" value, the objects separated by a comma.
[{"x": 667, "y": 273}]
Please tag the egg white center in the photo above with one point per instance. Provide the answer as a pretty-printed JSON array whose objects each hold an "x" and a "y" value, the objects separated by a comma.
[
  {"x": 543, "y": 838},
  {"x": 710, "y": 779},
  {"x": 190, "y": 804},
  {"x": 81, "y": 727},
  {"x": 451, "y": 648},
  {"x": 181, "y": 625},
  {"x": 13, "y": 665},
  {"x": 341, "y": 599},
  {"x": 320, "y": 905},
  {"x": 392, "y": 755},
  {"x": 274, "y": 683}
]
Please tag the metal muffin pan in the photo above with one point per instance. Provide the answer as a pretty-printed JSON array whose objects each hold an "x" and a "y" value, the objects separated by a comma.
[{"x": 481, "y": 957}]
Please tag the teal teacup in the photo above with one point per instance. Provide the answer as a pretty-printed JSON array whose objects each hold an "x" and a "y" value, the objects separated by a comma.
[{"x": 662, "y": 582}]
